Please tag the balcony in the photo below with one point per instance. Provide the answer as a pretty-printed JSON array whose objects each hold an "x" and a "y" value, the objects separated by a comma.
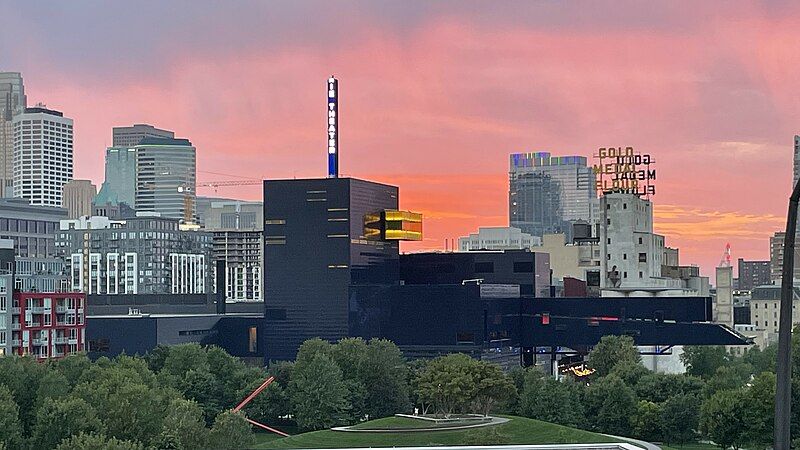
[
  {"x": 40, "y": 342},
  {"x": 60, "y": 340},
  {"x": 39, "y": 310},
  {"x": 61, "y": 309},
  {"x": 16, "y": 342},
  {"x": 15, "y": 310},
  {"x": 16, "y": 326}
]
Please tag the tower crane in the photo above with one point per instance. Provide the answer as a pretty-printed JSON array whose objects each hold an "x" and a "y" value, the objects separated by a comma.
[{"x": 726, "y": 257}]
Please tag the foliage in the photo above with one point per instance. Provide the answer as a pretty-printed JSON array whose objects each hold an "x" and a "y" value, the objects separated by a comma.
[
  {"x": 57, "y": 420},
  {"x": 612, "y": 351},
  {"x": 230, "y": 430},
  {"x": 97, "y": 442},
  {"x": 10, "y": 426},
  {"x": 317, "y": 392},
  {"x": 703, "y": 360},
  {"x": 184, "y": 427},
  {"x": 610, "y": 404},
  {"x": 680, "y": 416},
  {"x": 659, "y": 387},
  {"x": 647, "y": 422},
  {"x": 458, "y": 383},
  {"x": 721, "y": 418},
  {"x": 630, "y": 372},
  {"x": 545, "y": 398}
]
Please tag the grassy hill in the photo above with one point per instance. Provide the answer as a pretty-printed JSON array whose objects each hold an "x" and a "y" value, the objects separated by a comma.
[{"x": 517, "y": 431}]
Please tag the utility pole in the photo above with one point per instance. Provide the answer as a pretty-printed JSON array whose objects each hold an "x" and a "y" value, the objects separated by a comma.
[{"x": 783, "y": 388}]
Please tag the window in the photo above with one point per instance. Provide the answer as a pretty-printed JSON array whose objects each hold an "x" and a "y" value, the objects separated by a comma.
[
  {"x": 252, "y": 342},
  {"x": 624, "y": 274},
  {"x": 608, "y": 256},
  {"x": 625, "y": 256},
  {"x": 640, "y": 275},
  {"x": 642, "y": 257},
  {"x": 523, "y": 267},
  {"x": 624, "y": 206},
  {"x": 640, "y": 241},
  {"x": 608, "y": 221},
  {"x": 609, "y": 241}
]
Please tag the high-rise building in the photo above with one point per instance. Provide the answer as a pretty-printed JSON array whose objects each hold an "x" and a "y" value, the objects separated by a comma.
[
  {"x": 42, "y": 155},
  {"x": 322, "y": 236},
  {"x": 166, "y": 171},
  {"x": 12, "y": 102},
  {"x": 547, "y": 193},
  {"x": 796, "y": 168},
  {"x": 722, "y": 308},
  {"x": 147, "y": 254},
  {"x": 236, "y": 227},
  {"x": 776, "y": 258},
  {"x": 78, "y": 197},
  {"x": 753, "y": 274},
  {"x": 133, "y": 135},
  {"x": 12, "y": 95}
]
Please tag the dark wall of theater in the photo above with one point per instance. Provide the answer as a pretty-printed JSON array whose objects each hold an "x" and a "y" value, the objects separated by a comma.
[
  {"x": 531, "y": 271},
  {"x": 110, "y": 336},
  {"x": 314, "y": 249}
]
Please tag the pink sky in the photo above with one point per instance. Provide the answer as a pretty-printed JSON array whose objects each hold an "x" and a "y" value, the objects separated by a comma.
[{"x": 435, "y": 96}]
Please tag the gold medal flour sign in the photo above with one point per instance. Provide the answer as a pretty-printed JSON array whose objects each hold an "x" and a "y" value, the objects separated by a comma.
[{"x": 623, "y": 170}]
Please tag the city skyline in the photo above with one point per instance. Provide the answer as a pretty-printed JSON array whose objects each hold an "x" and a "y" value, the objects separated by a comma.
[{"x": 712, "y": 101}]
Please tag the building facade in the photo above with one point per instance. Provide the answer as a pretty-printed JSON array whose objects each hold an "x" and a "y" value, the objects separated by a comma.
[
  {"x": 129, "y": 136},
  {"x": 753, "y": 273},
  {"x": 776, "y": 242},
  {"x": 765, "y": 310},
  {"x": 32, "y": 232},
  {"x": 547, "y": 193},
  {"x": 45, "y": 325},
  {"x": 12, "y": 102},
  {"x": 166, "y": 171},
  {"x": 498, "y": 238},
  {"x": 42, "y": 155},
  {"x": 78, "y": 197},
  {"x": 579, "y": 260},
  {"x": 322, "y": 236},
  {"x": 236, "y": 227},
  {"x": 147, "y": 254}
]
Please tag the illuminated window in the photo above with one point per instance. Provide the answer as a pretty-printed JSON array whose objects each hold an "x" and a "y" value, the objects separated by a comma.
[{"x": 252, "y": 340}]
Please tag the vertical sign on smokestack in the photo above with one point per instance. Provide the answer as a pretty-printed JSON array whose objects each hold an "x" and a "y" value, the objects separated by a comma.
[{"x": 333, "y": 127}]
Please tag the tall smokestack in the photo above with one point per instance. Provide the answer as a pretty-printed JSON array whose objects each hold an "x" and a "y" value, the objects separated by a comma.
[{"x": 333, "y": 127}]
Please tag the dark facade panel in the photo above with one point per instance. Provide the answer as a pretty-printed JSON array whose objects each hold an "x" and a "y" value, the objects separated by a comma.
[{"x": 314, "y": 249}]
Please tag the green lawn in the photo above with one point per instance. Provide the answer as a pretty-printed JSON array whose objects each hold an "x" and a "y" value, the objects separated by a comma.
[
  {"x": 690, "y": 446},
  {"x": 518, "y": 431}
]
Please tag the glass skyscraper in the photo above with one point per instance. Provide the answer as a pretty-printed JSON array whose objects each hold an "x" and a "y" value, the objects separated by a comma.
[{"x": 548, "y": 193}]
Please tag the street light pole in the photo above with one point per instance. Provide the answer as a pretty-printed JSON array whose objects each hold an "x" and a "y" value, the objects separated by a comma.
[{"x": 783, "y": 388}]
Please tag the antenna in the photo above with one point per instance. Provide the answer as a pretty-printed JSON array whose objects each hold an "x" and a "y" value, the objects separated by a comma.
[{"x": 333, "y": 127}]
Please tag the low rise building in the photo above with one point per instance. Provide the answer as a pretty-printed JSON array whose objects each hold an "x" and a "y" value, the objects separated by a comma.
[
  {"x": 765, "y": 310},
  {"x": 45, "y": 325},
  {"x": 498, "y": 238}
]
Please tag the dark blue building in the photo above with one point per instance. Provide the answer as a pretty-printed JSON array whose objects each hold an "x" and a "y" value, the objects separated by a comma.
[{"x": 321, "y": 238}]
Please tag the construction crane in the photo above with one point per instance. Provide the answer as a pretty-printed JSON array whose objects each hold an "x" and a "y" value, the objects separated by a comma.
[{"x": 218, "y": 184}]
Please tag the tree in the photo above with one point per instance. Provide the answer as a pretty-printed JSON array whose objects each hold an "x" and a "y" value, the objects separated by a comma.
[
  {"x": 680, "y": 418},
  {"x": 612, "y": 351},
  {"x": 10, "y": 425},
  {"x": 184, "y": 427},
  {"x": 446, "y": 383},
  {"x": 311, "y": 348},
  {"x": 269, "y": 406},
  {"x": 547, "y": 399},
  {"x": 659, "y": 387},
  {"x": 73, "y": 367},
  {"x": 493, "y": 387},
  {"x": 385, "y": 377},
  {"x": 22, "y": 376},
  {"x": 85, "y": 441},
  {"x": 231, "y": 430},
  {"x": 630, "y": 372},
  {"x": 760, "y": 409},
  {"x": 646, "y": 423},
  {"x": 703, "y": 360},
  {"x": 762, "y": 360},
  {"x": 721, "y": 418},
  {"x": 727, "y": 378},
  {"x": 317, "y": 393},
  {"x": 59, "y": 419},
  {"x": 610, "y": 404}
]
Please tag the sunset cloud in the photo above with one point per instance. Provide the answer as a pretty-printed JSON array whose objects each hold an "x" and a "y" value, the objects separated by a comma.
[{"x": 434, "y": 96}]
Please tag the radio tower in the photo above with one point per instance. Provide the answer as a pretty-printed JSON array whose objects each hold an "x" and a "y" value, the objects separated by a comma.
[{"x": 726, "y": 257}]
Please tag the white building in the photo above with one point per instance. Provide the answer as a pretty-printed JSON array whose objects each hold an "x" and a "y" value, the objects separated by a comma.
[
  {"x": 498, "y": 238},
  {"x": 765, "y": 314},
  {"x": 42, "y": 155},
  {"x": 632, "y": 255}
]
